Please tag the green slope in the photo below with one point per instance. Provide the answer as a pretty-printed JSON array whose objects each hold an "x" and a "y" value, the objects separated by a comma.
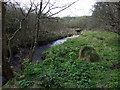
[{"x": 63, "y": 69}]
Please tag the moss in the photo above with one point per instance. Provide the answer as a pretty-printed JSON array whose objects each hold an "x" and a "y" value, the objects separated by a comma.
[{"x": 89, "y": 53}]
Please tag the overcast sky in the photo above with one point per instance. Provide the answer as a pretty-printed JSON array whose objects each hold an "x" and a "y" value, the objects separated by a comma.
[{"x": 80, "y": 8}]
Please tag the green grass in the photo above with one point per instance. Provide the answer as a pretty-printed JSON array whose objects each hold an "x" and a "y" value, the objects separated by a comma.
[{"x": 63, "y": 69}]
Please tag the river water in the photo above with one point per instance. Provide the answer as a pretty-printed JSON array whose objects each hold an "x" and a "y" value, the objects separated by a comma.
[{"x": 40, "y": 49}]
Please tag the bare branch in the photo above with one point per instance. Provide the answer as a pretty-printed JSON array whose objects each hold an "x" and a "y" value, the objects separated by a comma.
[
  {"x": 52, "y": 9},
  {"x": 21, "y": 21},
  {"x": 20, "y": 9},
  {"x": 36, "y": 7},
  {"x": 16, "y": 31},
  {"x": 29, "y": 10},
  {"x": 46, "y": 5},
  {"x": 40, "y": 10},
  {"x": 64, "y": 8}
]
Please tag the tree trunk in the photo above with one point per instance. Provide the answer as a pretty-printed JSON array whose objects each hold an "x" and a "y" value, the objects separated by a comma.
[
  {"x": 37, "y": 28},
  {"x": 35, "y": 40},
  {"x": 6, "y": 70}
]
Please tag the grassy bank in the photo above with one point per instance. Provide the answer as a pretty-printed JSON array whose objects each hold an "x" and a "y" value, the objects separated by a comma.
[{"x": 63, "y": 69}]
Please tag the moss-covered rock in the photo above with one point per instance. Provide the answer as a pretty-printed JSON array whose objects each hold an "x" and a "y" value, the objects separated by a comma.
[{"x": 89, "y": 53}]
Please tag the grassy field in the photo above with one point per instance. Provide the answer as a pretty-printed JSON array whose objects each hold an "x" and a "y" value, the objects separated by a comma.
[{"x": 63, "y": 69}]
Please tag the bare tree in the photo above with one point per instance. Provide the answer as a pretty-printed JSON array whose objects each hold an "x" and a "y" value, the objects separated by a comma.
[
  {"x": 25, "y": 15},
  {"x": 40, "y": 11},
  {"x": 40, "y": 8}
]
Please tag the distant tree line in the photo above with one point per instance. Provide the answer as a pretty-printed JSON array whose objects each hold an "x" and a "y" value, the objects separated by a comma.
[
  {"x": 106, "y": 16},
  {"x": 76, "y": 22}
]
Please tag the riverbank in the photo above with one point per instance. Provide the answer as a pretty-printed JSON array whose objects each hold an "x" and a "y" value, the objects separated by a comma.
[
  {"x": 62, "y": 68},
  {"x": 17, "y": 59},
  {"x": 38, "y": 52}
]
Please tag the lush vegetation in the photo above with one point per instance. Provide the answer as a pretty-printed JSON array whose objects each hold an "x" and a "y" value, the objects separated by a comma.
[
  {"x": 63, "y": 66},
  {"x": 63, "y": 69},
  {"x": 76, "y": 22}
]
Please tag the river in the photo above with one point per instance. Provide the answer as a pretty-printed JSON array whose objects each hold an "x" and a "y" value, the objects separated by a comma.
[{"x": 40, "y": 49}]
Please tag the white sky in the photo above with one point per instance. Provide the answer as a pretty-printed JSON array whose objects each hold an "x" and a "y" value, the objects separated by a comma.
[{"x": 80, "y": 8}]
